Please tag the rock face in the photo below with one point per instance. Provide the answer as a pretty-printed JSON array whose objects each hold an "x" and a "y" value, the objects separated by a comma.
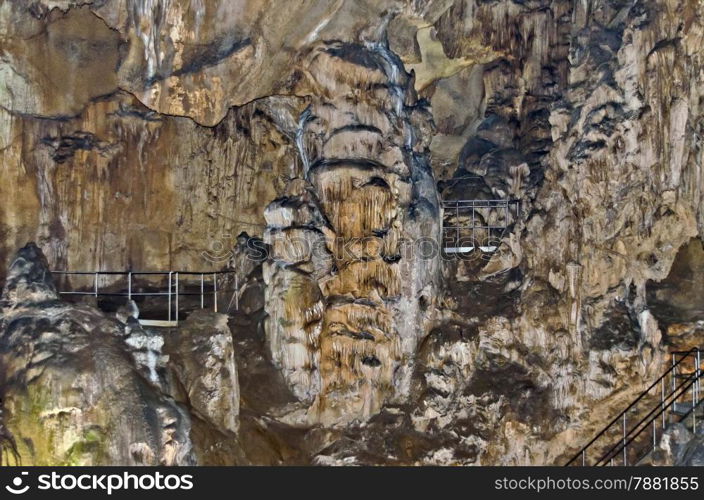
[
  {"x": 71, "y": 393},
  {"x": 202, "y": 364},
  {"x": 345, "y": 284},
  {"x": 201, "y": 375},
  {"x": 324, "y": 134},
  {"x": 679, "y": 447},
  {"x": 72, "y": 375}
]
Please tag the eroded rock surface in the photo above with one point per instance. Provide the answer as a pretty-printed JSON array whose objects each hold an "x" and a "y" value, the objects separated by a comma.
[
  {"x": 71, "y": 392},
  {"x": 202, "y": 364},
  {"x": 346, "y": 285},
  {"x": 678, "y": 446},
  {"x": 351, "y": 119}
]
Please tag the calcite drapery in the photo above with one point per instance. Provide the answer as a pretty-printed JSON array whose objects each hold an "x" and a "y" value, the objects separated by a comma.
[{"x": 345, "y": 313}]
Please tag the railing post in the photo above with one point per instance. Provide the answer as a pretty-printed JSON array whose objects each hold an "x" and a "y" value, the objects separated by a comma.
[
  {"x": 170, "y": 290},
  {"x": 699, "y": 373},
  {"x": 695, "y": 393},
  {"x": 458, "y": 238},
  {"x": 625, "y": 458},
  {"x": 672, "y": 376},
  {"x": 129, "y": 285},
  {"x": 201, "y": 290},
  {"x": 584, "y": 458},
  {"x": 237, "y": 293},
  {"x": 176, "y": 297},
  {"x": 215, "y": 292},
  {"x": 662, "y": 401},
  {"x": 95, "y": 284}
]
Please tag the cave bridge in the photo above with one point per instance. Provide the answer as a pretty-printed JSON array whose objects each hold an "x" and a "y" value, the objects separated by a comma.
[{"x": 177, "y": 293}]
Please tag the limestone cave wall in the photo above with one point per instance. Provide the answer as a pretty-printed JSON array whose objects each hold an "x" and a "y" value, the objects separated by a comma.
[{"x": 150, "y": 134}]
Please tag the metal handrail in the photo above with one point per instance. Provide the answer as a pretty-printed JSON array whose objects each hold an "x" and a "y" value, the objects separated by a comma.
[
  {"x": 622, "y": 445},
  {"x": 673, "y": 395},
  {"x": 479, "y": 203},
  {"x": 173, "y": 290}
]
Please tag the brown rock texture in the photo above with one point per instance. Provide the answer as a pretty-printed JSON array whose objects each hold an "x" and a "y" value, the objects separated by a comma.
[
  {"x": 305, "y": 146},
  {"x": 347, "y": 279}
]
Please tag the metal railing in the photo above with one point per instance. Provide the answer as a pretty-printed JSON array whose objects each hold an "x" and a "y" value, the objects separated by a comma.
[
  {"x": 207, "y": 285},
  {"x": 469, "y": 225},
  {"x": 674, "y": 397}
]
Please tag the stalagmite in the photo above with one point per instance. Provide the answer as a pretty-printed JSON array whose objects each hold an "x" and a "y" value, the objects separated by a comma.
[{"x": 356, "y": 143}]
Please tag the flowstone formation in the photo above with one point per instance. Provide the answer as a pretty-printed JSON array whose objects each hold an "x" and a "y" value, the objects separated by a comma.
[
  {"x": 349, "y": 291},
  {"x": 327, "y": 130}
]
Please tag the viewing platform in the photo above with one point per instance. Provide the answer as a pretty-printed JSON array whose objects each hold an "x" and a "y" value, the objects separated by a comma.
[
  {"x": 177, "y": 292},
  {"x": 470, "y": 225}
]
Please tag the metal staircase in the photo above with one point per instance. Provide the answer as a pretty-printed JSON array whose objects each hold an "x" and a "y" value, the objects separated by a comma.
[{"x": 633, "y": 433}]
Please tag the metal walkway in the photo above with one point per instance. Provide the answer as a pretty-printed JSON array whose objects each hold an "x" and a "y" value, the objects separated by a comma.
[
  {"x": 170, "y": 285},
  {"x": 470, "y": 225},
  {"x": 633, "y": 433}
]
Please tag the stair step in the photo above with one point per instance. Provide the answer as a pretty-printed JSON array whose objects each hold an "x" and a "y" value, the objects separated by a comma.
[{"x": 681, "y": 409}]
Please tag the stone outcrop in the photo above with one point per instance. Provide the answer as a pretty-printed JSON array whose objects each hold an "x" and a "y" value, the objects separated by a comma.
[
  {"x": 72, "y": 375},
  {"x": 678, "y": 446},
  {"x": 202, "y": 369},
  {"x": 118, "y": 167},
  {"x": 71, "y": 392}
]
